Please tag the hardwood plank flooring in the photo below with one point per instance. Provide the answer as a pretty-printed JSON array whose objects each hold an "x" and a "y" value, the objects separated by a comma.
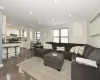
[{"x": 12, "y": 72}]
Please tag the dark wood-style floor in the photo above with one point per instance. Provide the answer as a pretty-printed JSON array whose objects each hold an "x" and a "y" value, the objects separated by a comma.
[{"x": 12, "y": 72}]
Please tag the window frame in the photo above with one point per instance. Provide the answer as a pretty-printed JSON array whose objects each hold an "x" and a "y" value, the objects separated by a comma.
[
  {"x": 60, "y": 34},
  {"x": 55, "y": 36},
  {"x": 23, "y": 33},
  {"x": 36, "y": 35}
]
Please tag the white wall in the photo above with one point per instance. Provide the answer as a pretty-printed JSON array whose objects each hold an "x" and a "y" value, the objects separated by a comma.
[
  {"x": 4, "y": 28},
  {"x": 4, "y": 25},
  {"x": 95, "y": 29},
  {"x": 81, "y": 35},
  {"x": 94, "y": 41},
  {"x": 12, "y": 30},
  {"x": 30, "y": 37},
  {"x": 1, "y": 37},
  {"x": 72, "y": 38}
]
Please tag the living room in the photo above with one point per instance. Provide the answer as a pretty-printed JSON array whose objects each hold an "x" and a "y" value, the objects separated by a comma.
[{"x": 49, "y": 40}]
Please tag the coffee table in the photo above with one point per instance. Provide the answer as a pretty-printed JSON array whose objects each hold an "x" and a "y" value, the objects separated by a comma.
[{"x": 54, "y": 61}]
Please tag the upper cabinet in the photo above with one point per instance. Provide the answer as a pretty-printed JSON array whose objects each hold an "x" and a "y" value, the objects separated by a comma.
[
  {"x": 22, "y": 33},
  {"x": 12, "y": 30}
]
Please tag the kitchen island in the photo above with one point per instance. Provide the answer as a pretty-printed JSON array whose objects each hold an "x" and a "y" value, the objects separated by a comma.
[{"x": 10, "y": 49}]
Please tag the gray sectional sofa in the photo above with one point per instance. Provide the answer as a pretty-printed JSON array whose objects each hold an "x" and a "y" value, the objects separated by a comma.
[
  {"x": 67, "y": 55},
  {"x": 84, "y": 72},
  {"x": 78, "y": 71}
]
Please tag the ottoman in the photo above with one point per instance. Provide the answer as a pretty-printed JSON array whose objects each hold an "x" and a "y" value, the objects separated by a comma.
[{"x": 54, "y": 61}]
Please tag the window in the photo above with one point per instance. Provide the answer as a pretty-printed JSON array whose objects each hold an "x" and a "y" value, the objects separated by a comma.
[
  {"x": 31, "y": 35},
  {"x": 60, "y": 35},
  {"x": 23, "y": 33},
  {"x": 56, "y": 35},
  {"x": 19, "y": 32},
  {"x": 37, "y": 35}
]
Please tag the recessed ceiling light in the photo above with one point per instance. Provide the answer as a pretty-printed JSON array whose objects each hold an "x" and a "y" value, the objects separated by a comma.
[
  {"x": 30, "y": 12},
  {"x": 1, "y": 7},
  {"x": 39, "y": 22},
  {"x": 55, "y": 1},
  {"x": 70, "y": 15},
  {"x": 53, "y": 19}
]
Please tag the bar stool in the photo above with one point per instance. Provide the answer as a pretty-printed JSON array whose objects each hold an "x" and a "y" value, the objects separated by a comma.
[
  {"x": 15, "y": 50},
  {"x": 7, "y": 56}
]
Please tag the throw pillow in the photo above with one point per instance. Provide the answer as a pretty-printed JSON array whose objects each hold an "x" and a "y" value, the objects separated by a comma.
[
  {"x": 72, "y": 49},
  {"x": 47, "y": 46},
  {"x": 81, "y": 50},
  {"x": 86, "y": 62},
  {"x": 76, "y": 49},
  {"x": 61, "y": 48}
]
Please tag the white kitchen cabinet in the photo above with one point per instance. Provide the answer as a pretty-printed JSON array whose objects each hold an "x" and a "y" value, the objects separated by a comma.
[
  {"x": 22, "y": 33},
  {"x": 23, "y": 44}
]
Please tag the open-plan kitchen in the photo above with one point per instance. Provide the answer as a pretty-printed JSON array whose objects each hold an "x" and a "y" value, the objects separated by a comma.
[{"x": 14, "y": 38}]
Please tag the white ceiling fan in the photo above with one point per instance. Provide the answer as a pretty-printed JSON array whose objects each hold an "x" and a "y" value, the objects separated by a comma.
[{"x": 1, "y": 7}]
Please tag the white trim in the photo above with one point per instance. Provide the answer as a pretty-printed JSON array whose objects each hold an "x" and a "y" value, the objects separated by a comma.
[
  {"x": 96, "y": 13},
  {"x": 1, "y": 65}
]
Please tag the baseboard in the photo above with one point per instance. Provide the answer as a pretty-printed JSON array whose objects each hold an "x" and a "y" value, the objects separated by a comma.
[{"x": 1, "y": 65}]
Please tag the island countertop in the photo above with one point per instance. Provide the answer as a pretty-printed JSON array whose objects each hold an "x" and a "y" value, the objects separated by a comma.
[{"x": 10, "y": 42}]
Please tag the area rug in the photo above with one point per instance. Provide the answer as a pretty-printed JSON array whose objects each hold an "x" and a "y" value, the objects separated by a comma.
[{"x": 36, "y": 69}]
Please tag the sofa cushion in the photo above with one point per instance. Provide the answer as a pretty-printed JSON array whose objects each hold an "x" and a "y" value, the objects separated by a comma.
[
  {"x": 88, "y": 49},
  {"x": 86, "y": 62},
  {"x": 60, "y": 48},
  {"x": 81, "y": 50},
  {"x": 47, "y": 46},
  {"x": 76, "y": 49},
  {"x": 95, "y": 54},
  {"x": 72, "y": 49}
]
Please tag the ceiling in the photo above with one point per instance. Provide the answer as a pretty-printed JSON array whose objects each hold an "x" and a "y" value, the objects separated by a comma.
[{"x": 47, "y": 12}]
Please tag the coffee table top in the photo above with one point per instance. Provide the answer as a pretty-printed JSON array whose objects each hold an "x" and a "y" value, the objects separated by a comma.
[{"x": 60, "y": 56}]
